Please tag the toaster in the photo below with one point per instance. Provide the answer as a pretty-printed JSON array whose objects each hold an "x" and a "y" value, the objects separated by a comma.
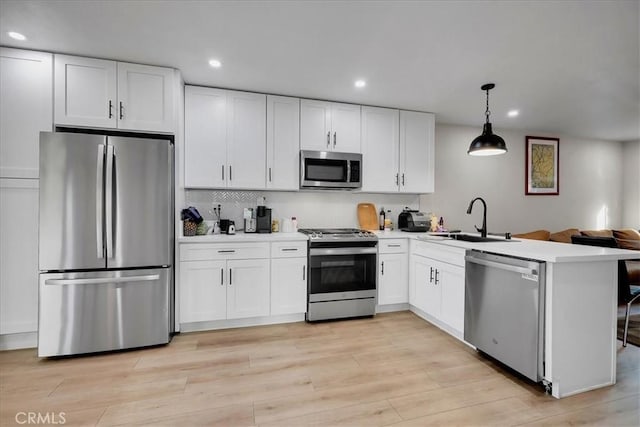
[{"x": 409, "y": 220}]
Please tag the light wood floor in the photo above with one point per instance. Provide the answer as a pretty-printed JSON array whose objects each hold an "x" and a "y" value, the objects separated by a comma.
[{"x": 394, "y": 369}]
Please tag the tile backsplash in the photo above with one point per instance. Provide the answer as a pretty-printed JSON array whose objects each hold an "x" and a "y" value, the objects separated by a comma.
[{"x": 313, "y": 209}]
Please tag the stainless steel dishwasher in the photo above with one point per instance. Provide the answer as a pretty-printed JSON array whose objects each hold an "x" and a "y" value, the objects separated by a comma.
[{"x": 504, "y": 310}]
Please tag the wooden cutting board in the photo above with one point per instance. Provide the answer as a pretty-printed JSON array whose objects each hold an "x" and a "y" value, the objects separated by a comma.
[{"x": 368, "y": 216}]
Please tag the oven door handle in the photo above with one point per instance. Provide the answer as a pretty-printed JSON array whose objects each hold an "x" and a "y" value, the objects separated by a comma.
[{"x": 342, "y": 251}]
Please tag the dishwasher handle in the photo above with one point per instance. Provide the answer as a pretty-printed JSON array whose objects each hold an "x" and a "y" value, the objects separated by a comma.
[{"x": 501, "y": 266}]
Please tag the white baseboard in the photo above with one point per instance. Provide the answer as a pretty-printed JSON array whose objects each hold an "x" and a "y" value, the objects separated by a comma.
[
  {"x": 388, "y": 308},
  {"x": 241, "y": 323},
  {"x": 18, "y": 341}
]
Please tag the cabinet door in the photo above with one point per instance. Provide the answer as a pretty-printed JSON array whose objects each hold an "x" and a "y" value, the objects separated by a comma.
[
  {"x": 288, "y": 285},
  {"x": 27, "y": 109},
  {"x": 203, "y": 291},
  {"x": 205, "y": 137},
  {"x": 246, "y": 140},
  {"x": 145, "y": 98},
  {"x": 345, "y": 128},
  {"x": 451, "y": 282},
  {"x": 248, "y": 288},
  {"x": 19, "y": 260},
  {"x": 85, "y": 92},
  {"x": 315, "y": 125},
  {"x": 380, "y": 149},
  {"x": 283, "y": 143},
  {"x": 426, "y": 293},
  {"x": 416, "y": 152},
  {"x": 393, "y": 279}
]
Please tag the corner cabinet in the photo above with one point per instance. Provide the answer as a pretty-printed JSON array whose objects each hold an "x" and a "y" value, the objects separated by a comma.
[
  {"x": 436, "y": 285},
  {"x": 398, "y": 151},
  {"x": 115, "y": 95},
  {"x": 329, "y": 126},
  {"x": 223, "y": 281},
  {"x": 283, "y": 143},
  {"x": 225, "y": 139}
]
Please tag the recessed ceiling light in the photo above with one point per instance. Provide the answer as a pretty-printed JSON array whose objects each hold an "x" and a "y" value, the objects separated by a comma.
[
  {"x": 360, "y": 83},
  {"x": 16, "y": 36},
  {"x": 513, "y": 113},
  {"x": 215, "y": 63}
]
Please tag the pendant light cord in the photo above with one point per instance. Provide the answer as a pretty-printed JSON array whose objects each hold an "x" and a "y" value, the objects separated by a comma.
[{"x": 487, "y": 112}]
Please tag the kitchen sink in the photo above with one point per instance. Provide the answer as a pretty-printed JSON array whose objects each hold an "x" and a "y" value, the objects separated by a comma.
[{"x": 469, "y": 238}]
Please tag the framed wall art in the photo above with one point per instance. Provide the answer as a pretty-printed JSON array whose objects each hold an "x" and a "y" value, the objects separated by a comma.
[{"x": 542, "y": 176}]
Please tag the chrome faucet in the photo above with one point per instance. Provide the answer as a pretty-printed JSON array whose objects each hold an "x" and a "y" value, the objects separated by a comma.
[{"x": 483, "y": 230}]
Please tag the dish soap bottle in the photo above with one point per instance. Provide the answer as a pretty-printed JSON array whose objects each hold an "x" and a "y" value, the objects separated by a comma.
[{"x": 381, "y": 220}]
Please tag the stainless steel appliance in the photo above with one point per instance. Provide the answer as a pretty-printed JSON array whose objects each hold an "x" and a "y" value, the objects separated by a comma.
[
  {"x": 342, "y": 273},
  {"x": 410, "y": 220},
  {"x": 504, "y": 310},
  {"x": 106, "y": 243},
  {"x": 326, "y": 169}
]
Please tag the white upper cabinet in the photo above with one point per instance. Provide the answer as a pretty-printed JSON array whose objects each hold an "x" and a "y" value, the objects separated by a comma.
[
  {"x": 205, "y": 135},
  {"x": 417, "y": 152},
  {"x": 145, "y": 97},
  {"x": 380, "y": 149},
  {"x": 107, "y": 94},
  {"x": 329, "y": 126},
  {"x": 283, "y": 143},
  {"x": 398, "y": 151},
  {"x": 26, "y": 109},
  {"x": 246, "y": 140},
  {"x": 225, "y": 139}
]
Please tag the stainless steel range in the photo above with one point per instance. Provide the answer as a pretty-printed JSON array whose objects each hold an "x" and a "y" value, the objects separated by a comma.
[{"x": 342, "y": 273}]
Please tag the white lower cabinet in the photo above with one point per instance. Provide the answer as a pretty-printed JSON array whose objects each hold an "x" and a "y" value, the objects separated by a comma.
[
  {"x": 203, "y": 293},
  {"x": 288, "y": 277},
  {"x": 393, "y": 272},
  {"x": 436, "y": 283},
  {"x": 223, "y": 281},
  {"x": 248, "y": 288}
]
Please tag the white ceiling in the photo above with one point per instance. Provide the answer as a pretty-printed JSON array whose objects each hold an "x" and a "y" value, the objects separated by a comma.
[{"x": 570, "y": 67}]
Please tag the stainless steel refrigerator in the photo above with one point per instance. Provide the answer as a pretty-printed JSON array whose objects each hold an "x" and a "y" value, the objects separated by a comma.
[{"x": 105, "y": 243}]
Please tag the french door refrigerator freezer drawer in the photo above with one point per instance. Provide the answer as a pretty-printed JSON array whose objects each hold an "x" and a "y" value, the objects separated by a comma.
[{"x": 103, "y": 311}]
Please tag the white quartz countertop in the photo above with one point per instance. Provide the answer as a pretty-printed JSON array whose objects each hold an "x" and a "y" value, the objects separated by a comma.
[
  {"x": 524, "y": 248},
  {"x": 242, "y": 237}
]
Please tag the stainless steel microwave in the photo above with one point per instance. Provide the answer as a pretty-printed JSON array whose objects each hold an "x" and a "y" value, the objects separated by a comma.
[{"x": 326, "y": 169}]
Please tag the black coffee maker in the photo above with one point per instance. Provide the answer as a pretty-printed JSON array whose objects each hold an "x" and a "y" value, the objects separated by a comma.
[{"x": 263, "y": 220}]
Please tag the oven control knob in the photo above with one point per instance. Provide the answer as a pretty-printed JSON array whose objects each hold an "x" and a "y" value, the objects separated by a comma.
[{"x": 360, "y": 234}]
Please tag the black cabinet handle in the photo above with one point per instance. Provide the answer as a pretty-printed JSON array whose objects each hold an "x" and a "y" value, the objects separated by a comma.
[
  {"x": 437, "y": 273},
  {"x": 328, "y": 139},
  {"x": 230, "y": 277},
  {"x": 382, "y": 272},
  {"x": 335, "y": 139},
  {"x": 121, "y": 111},
  {"x": 304, "y": 272},
  {"x": 110, "y": 109},
  {"x": 222, "y": 277},
  {"x": 431, "y": 275}
]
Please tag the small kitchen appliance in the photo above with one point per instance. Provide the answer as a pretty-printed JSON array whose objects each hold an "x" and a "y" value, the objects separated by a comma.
[
  {"x": 249, "y": 220},
  {"x": 263, "y": 220},
  {"x": 412, "y": 220}
]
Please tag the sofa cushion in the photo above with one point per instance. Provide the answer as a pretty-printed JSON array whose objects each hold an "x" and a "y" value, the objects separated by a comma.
[
  {"x": 534, "y": 235},
  {"x": 564, "y": 236},
  {"x": 597, "y": 233},
  {"x": 633, "y": 245},
  {"x": 627, "y": 234}
]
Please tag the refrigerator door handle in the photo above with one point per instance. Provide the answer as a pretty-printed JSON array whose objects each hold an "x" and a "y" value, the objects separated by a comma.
[
  {"x": 111, "y": 154},
  {"x": 102, "y": 280},
  {"x": 99, "y": 202}
]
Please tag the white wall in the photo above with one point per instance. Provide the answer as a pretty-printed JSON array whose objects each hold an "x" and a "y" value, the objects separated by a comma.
[
  {"x": 591, "y": 180},
  {"x": 631, "y": 185},
  {"x": 311, "y": 208}
]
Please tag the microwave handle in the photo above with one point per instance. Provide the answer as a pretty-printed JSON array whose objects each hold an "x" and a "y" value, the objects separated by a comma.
[{"x": 348, "y": 170}]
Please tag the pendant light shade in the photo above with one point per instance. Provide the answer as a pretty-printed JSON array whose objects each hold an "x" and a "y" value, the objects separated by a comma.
[{"x": 487, "y": 144}]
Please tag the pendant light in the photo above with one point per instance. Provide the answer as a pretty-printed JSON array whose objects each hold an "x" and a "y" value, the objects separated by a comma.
[{"x": 487, "y": 144}]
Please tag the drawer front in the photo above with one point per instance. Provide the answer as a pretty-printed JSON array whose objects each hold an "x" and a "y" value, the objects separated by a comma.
[
  {"x": 439, "y": 252},
  {"x": 288, "y": 249},
  {"x": 213, "y": 251},
  {"x": 393, "y": 246}
]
